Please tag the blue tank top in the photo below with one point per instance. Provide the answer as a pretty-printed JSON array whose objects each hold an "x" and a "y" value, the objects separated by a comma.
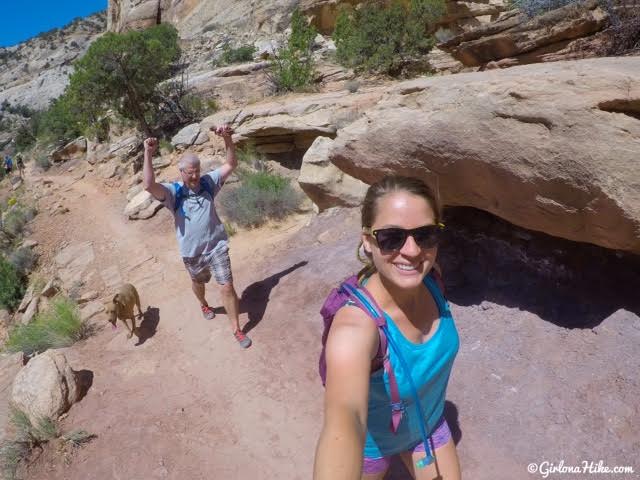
[{"x": 430, "y": 364}]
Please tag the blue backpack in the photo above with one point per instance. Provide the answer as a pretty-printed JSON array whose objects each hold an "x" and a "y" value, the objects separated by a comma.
[{"x": 182, "y": 192}]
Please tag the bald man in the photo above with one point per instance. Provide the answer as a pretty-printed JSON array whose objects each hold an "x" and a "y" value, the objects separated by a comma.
[{"x": 202, "y": 239}]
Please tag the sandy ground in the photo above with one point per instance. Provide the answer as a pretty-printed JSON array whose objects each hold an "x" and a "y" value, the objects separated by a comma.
[{"x": 532, "y": 383}]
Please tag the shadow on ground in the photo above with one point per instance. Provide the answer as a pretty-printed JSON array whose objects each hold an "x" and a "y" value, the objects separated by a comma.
[
  {"x": 255, "y": 297},
  {"x": 149, "y": 325},
  {"x": 84, "y": 380},
  {"x": 570, "y": 284}
]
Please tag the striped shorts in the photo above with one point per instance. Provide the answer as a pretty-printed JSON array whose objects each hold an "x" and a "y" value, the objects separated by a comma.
[{"x": 217, "y": 262}]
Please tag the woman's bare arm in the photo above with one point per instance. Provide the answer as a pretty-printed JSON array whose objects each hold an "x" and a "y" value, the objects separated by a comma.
[{"x": 352, "y": 343}]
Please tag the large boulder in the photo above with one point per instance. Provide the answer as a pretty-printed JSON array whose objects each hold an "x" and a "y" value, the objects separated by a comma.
[
  {"x": 46, "y": 387},
  {"x": 324, "y": 183},
  {"x": 97, "y": 152},
  {"x": 549, "y": 147},
  {"x": 189, "y": 135},
  {"x": 70, "y": 151},
  {"x": 108, "y": 170},
  {"x": 133, "y": 191},
  {"x": 142, "y": 206},
  {"x": 287, "y": 126},
  {"x": 124, "y": 149}
]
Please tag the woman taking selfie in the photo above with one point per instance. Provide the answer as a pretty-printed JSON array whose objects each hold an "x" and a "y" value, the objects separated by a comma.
[{"x": 390, "y": 346}]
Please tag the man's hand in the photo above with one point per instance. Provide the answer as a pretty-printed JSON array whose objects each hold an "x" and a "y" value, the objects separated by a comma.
[
  {"x": 224, "y": 131},
  {"x": 151, "y": 145},
  {"x": 148, "y": 177}
]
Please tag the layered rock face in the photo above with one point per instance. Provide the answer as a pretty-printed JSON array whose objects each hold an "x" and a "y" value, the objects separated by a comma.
[
  {"x": 192, "y": 17},
  {"x": 549, "y": 147},
  {"x": 574, "y": 31}
]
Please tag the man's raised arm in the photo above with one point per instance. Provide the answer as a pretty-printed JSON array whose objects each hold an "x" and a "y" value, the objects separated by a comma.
[
  {"x": 232, "y": 161},
  {"x": 148, "y": 176}
]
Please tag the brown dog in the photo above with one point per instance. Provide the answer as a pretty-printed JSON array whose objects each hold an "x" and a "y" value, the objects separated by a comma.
[{"x": 121, "y": 307}]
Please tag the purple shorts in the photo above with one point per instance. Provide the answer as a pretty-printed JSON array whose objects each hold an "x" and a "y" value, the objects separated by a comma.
[{"x": 440, "y": 436}]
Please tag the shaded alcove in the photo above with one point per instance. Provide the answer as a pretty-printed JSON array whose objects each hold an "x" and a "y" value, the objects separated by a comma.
[{"x": 570, "y": 284}]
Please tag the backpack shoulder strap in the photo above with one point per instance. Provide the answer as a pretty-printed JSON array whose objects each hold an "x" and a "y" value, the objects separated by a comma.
[
  {"x": 361, "y": 297},
  {"x": 179, "y": 198},
  {"x": 206, "y": 187}
]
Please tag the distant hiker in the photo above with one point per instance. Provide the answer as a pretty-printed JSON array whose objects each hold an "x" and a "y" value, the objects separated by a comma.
[
  {"x": 202, "y": 239},
  {"x": 390, "y": 343},
  {"x": 20, "y": 165},
  {"x": 8, "y": 164}
]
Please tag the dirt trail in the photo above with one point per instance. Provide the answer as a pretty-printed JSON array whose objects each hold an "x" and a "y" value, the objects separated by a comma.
[
  {"x": 188, "y": 402},
  {"x": 547, "y": 369}
]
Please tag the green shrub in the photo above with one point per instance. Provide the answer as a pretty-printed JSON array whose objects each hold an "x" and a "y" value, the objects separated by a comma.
[
  {"x": 11, "y": 287},
  {"x": 166, "y": 144},
  {"x": 25, "y": 431},
  {"x": 47, "y": 429},
  {"x": 27, "y": 437},
  {"x": 230, "y": 229},
  {"x": 25, "y": 138},
  {"x": 59, "y": 123},
  {"x": 12, "y": 452},
  {"x": 247, "y": 153},
  {"x": 293, "y": 67},
  {"x": 385, "y": 38},
  {"x": 352, "y": 86},
  {"x": 18, "y": 109},
  {"x": 78, "y": 438},
  {"x": 59, "y": 326},
  {"x": 624, "y": 33},
  {"x": 244, "y": 53},
  {"x": 261, "y": 196},
  {"x": 212, "y": 105},
  {"x": 42, "y": 161},
  {"x": 23, "y": 260},
  {"x": 196, "y": 108},
  {"x": 122, "y": 72},
  {"x": 16, "y": 219},
  {"x": 37, "y": 283}
]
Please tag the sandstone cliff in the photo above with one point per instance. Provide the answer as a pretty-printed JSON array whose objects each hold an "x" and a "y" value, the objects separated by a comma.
[{"x": 192, "y": 17}]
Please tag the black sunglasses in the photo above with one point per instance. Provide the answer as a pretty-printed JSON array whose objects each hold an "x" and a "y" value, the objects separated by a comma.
[{"x": 394, "y": 238}]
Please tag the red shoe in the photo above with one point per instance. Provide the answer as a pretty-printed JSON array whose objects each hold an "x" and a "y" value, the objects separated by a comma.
[
  {"x": 207, "y": 312},
  {"x": 243, "y": 340}
]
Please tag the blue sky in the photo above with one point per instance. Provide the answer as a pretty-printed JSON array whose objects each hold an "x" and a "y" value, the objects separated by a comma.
[{"x": 23, "y": 19}]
